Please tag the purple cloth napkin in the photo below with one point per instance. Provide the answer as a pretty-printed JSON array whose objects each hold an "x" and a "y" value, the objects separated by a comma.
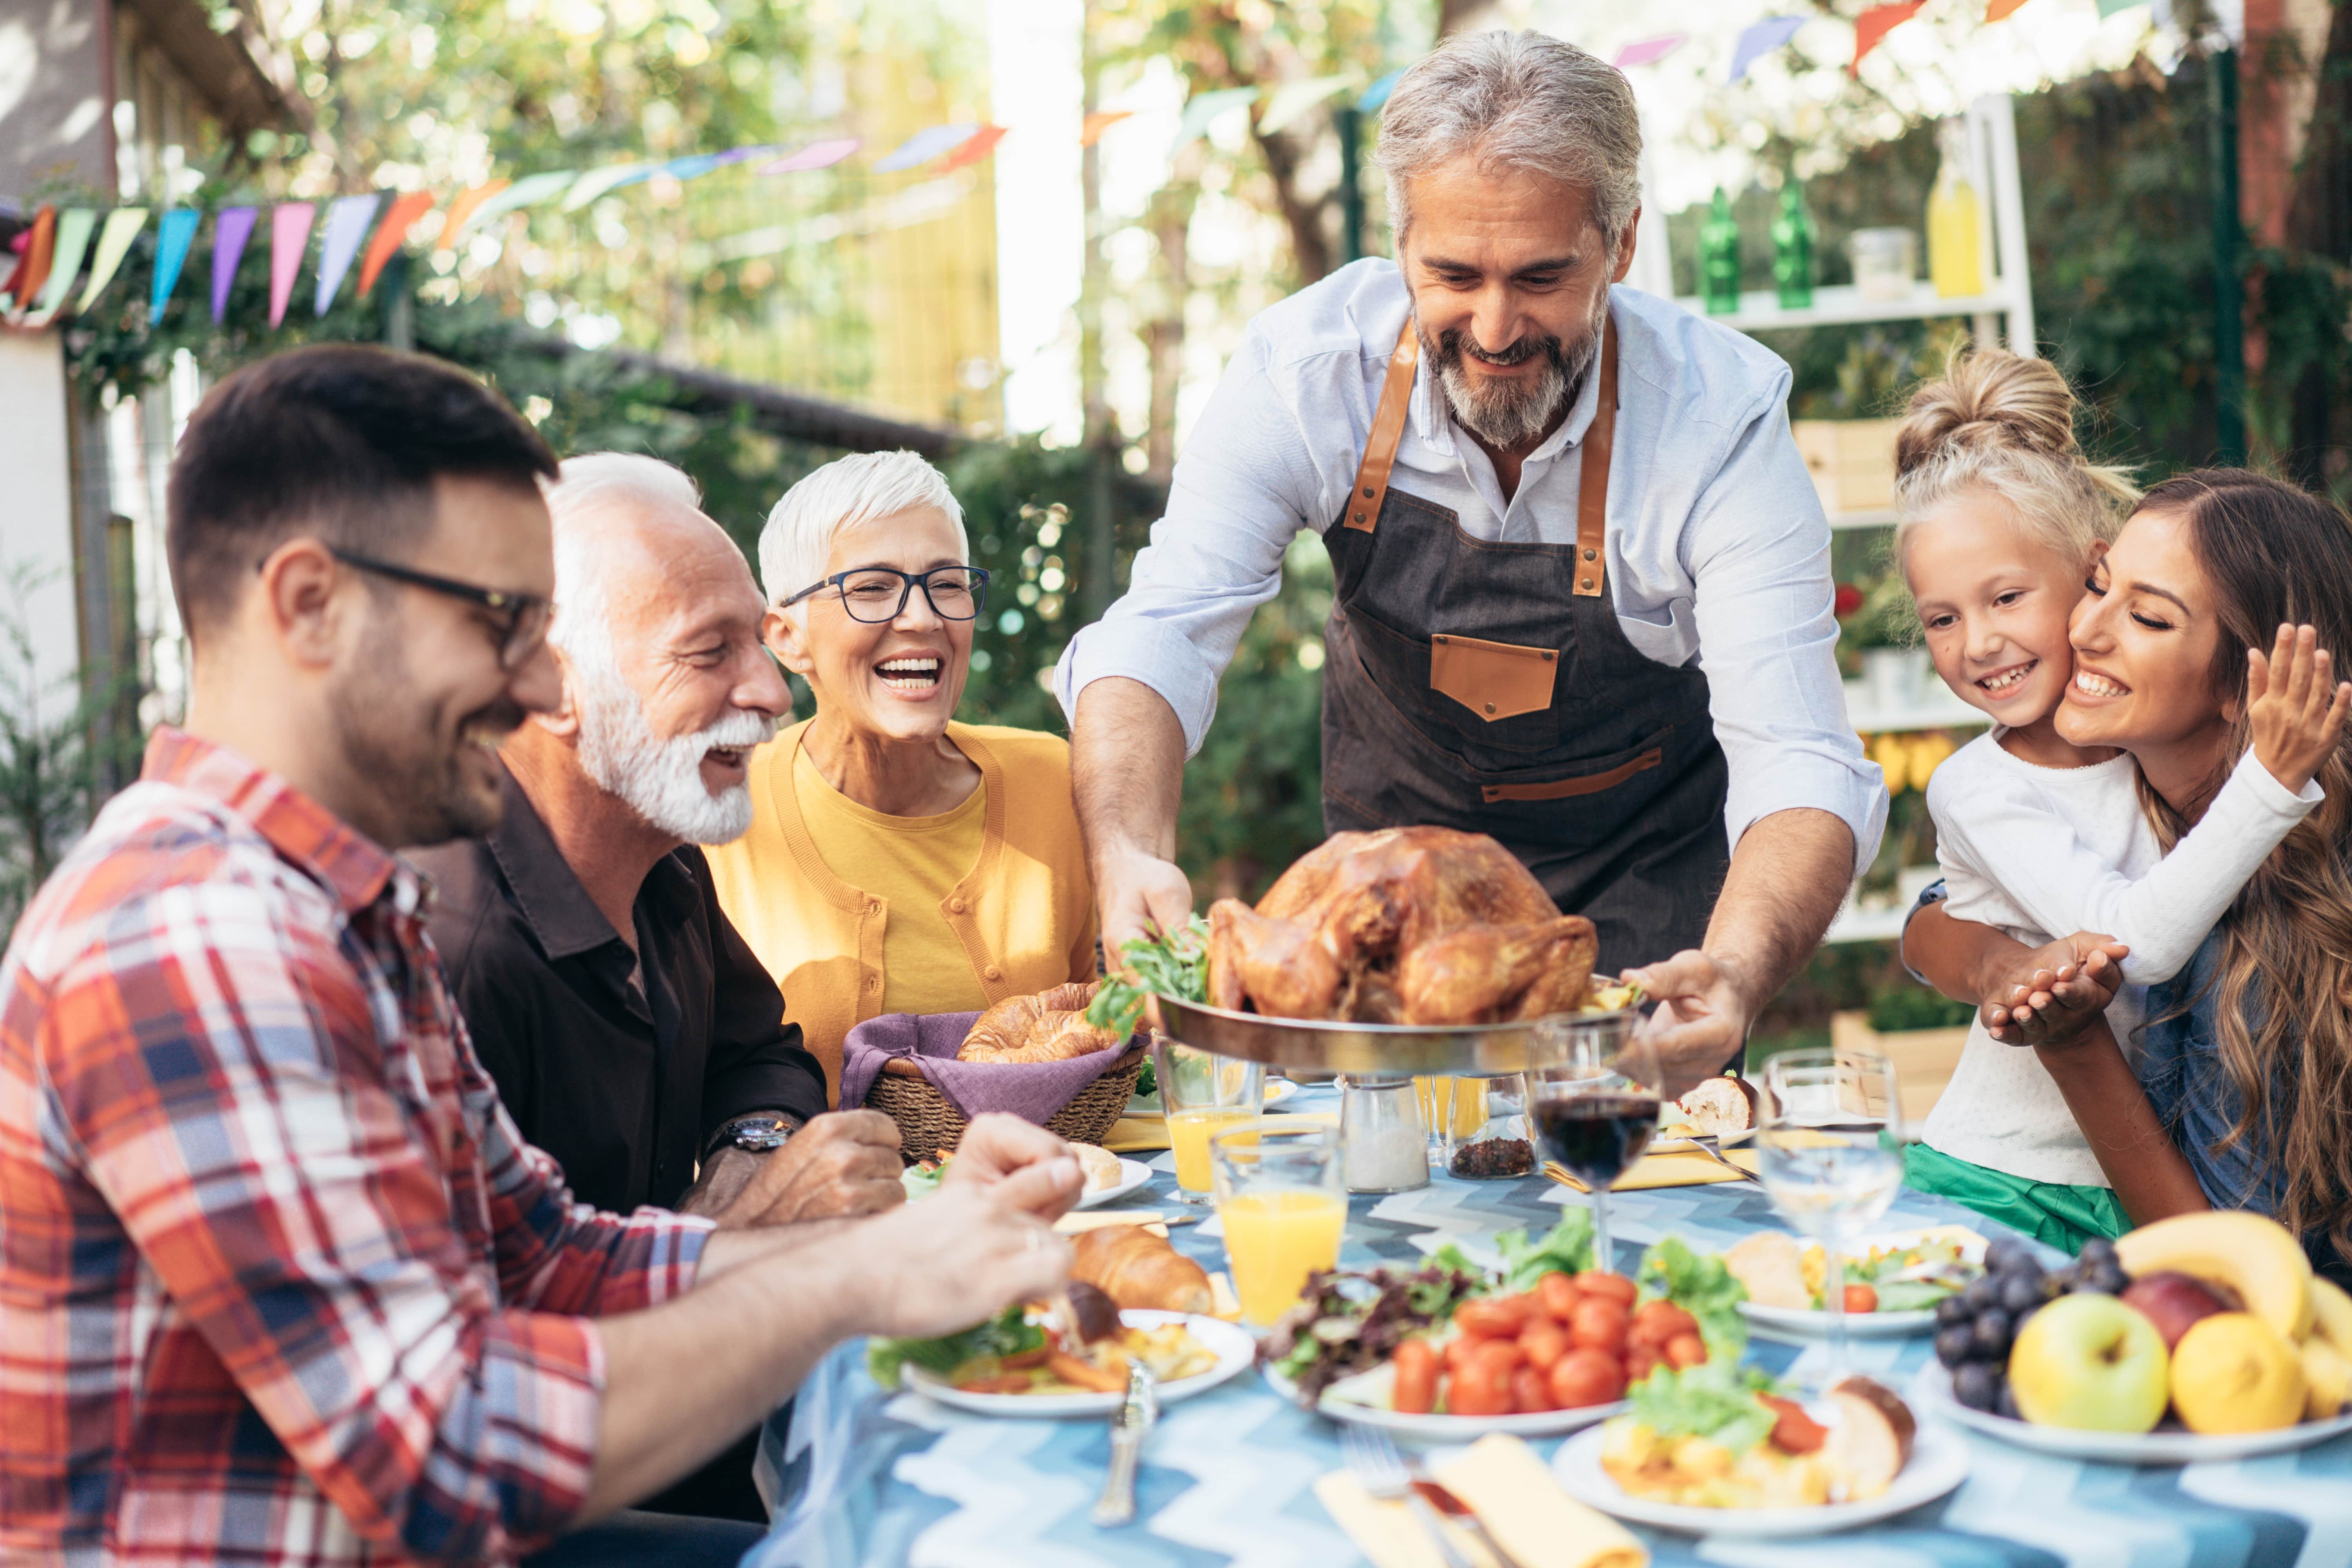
[{"x": 1031, "y": 1090}]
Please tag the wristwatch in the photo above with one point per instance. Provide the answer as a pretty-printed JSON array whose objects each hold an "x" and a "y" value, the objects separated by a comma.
[{"x": 761, "y": 1132}]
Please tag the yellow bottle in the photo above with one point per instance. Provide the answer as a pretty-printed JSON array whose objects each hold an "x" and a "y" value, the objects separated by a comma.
[
  {"x": 1273, "y": 1240},
  {"x": 1955, "y": 220}
]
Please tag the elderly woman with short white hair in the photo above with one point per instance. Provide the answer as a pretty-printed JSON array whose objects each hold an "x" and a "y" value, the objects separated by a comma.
[{"x": 898, "y": 861}]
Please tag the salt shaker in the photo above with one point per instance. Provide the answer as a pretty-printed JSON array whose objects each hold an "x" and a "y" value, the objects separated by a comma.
[{"x": 1383, "y": 1144}]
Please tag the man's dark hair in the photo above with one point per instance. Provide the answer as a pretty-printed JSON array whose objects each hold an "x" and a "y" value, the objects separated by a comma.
[{"x": 341, "y": 442}]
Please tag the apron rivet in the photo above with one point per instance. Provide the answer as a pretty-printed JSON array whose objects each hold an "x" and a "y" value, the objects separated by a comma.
[
  {"x": 1584, "y": 582},
  {"x": 1359, "y": 516},
  {"x": 1490, "y": 707},
  {"x": 1588, "y": 555},
  {"x": 1547, "y": 656},
  {"x": 1368, "y": 492}
]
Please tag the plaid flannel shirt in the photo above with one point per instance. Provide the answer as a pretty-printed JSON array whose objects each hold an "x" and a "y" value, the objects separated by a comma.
[{"x": 280, "y": 1283}]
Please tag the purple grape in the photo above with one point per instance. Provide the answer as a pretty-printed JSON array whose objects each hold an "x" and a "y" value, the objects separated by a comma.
[
  {"x": 1977, "y": 1384},
  {"x": 1956, "y": 1345}
]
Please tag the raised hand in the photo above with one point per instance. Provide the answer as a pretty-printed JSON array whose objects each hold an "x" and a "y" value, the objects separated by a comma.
[
  {"x": 2295, "y": 705},
  {"x": 957, "y": 1258},
  {"x": 2054, "y": 992},
  {"x": 841, "y": 1164}
]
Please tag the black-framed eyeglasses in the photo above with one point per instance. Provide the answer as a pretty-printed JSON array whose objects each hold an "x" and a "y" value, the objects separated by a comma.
[
  {"x": 525, "y": 615},
  {"x": 875, "y": 594}
]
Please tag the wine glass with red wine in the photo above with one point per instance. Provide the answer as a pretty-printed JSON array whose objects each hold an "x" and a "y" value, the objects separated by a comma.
[{"x": 1593, "y": 1100}]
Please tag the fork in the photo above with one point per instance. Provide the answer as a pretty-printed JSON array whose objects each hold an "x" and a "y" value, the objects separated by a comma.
[{"x": 1373, "y": 1461}]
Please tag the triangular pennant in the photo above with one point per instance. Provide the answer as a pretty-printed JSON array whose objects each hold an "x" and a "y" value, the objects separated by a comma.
[
  {"x": 981, "y": 143},
  {"x": 923, "y": 147},
  {"x": 815, "y": 155},
  {"x": 1099, "y": 121},
  {"x": 1761, "y": 39},
  {"x": 176, "y": 233},
  {"x": 1998, "y": 9},
  {"x": 1293, "y": 99},
  {"x": 528, "y": 191},
  {"x": 462, "y": 209},
  {"x": 73, "y": 226},
  {"x": 694, "y": 168},
  {"x": 32, "y": 268},
  {"x": 1205, "y": 109},
  {"x": 232, "y": 226},
  {"x": 1649, "y": 51},
  {"x": 602, "y": 182},
  {"x": 122, "y": 225},
  {"x": 347, "y": 225},
  {"x": 290, "y": 235},
  {"x": 1378, "y": 93},
  {"x": 392, "y": 234},
  {"x": 1870, "y": 29},
  {"x": 2109, "y": 8}
]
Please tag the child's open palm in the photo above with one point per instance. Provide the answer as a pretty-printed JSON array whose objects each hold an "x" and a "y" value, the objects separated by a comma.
[{"x": 2295, "y": 706}]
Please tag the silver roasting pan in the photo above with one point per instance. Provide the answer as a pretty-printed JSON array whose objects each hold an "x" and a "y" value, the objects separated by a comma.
[{"x": 1307, "y": 1044}]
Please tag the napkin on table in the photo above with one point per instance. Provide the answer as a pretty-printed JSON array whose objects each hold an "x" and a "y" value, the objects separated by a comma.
[
  {"x": 1514, "y": 1497},
  {"x": 1685, "y": 1168}
]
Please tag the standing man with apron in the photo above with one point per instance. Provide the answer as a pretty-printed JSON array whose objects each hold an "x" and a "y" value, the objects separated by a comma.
[{"x": 1582, "y": 594}]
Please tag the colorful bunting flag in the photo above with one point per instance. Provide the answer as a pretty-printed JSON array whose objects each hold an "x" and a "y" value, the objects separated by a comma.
[
  {"x": 1293, "y": 99},
  {"x": 73, "y": 226},
  {"x": 347, "y": 225},
  {"x": 290, "y": 235},
  {"x": 1761, "y": 39},
  {"x": 1870, "y": 29},
  {"x": 1649, "y": 51},
  {"x": 1378, "y": 93},
  {"x": 460, "y": 210},
  {"x": 603, "y": 181},
  {"x": 232, "y": 226},
  {"x": 2109, "y": 8},
  {"x": 1997, "y": 9},
  {"x": 178, "y": 231},
  {"x": 815, "y": 155},
  {"x": 923, "y": 147},
  {"x": 1100, "y": 121},
  {"x": 390, "y": 235},
  {"x": 981, "y": 144},
  {"x": 1205, "y": 109},
  {"x": 122, "y": 225},
  {"x": 528, "y": 191},
  {"x": 693, "y": 168},
  {"x": 32, "y": 262}
]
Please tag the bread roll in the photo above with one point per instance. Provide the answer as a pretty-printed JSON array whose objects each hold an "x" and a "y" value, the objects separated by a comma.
[
  {"x": 1048, "y": 1027},
  {"x": 1099, "y": 1166},
  {"x": 1141, "y": 1271}
]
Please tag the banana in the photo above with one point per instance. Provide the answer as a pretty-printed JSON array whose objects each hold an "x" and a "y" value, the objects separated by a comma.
[
  {"x": 2251, "y": 1253},
  {"x": 2331, "y": 1315},
  {"x": 2327, "y": 1378}
]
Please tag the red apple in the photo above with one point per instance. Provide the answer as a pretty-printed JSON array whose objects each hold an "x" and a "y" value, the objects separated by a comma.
[{"x": 2173, "y": 1301}]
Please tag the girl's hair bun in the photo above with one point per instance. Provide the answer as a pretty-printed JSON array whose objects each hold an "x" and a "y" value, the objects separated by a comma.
[{"x": 1988, "y": 399}]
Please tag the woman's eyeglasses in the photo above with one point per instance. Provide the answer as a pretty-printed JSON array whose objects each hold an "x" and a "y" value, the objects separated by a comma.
[
  {"x": 524, "y": 615},
  {"x": 878, "y": 593}
]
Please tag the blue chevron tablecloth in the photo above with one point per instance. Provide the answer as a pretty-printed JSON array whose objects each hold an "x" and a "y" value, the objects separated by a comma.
[{"x": 872, "y": 1480}]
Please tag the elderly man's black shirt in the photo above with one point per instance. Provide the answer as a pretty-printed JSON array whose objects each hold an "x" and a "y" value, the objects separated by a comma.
[{"x": 619, "y": 1070}]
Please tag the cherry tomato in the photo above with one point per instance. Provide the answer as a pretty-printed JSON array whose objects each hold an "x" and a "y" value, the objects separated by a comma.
[
  {"x": 1416, "y": 1377},
  {"x": 1656, "y": 1322},
  {"x": 1600, "y": 1282},
  {"x": 1483, "y": 1386},
  {"x": 1457, "y": 1351},
  {"x": 1861, "y": 1299},
  {"x": 1530, "y": 1392},
  {"x": 1493, "y": 1317},
  {"x": 1685, "y": 1350},
  {"x": 1795, "y": 1432},
  {"x": 1587, "y": 1377},
  {"x": 1640, "y": 1362},
  {"x": 1504, "y": 1353},
  {"x": 1558, "y": 1295},
  {"x": 1598, "y": 1324},
  {"x": 1544, "y": 1343}
]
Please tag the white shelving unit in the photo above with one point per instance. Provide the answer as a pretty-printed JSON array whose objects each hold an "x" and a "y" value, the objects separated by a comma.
[{"x": 1938, "y": 709}]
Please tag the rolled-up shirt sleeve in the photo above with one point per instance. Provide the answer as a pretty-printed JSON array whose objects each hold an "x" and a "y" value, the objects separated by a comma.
[{"x": 1758, "y": 552}]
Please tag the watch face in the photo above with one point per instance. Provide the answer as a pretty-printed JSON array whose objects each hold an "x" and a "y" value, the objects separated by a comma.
[{"x": 762, "y": 1137}]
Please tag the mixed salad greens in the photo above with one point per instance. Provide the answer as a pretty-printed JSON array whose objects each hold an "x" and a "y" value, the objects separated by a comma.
[
  {"x": 1702, "y": 1285},
  {"x": 1009, "y": 1333},
  {"x": 1717, "y": 1400},
  {"x": 1167, "y": 963},
  {"x": 1902, "y": 1279}
]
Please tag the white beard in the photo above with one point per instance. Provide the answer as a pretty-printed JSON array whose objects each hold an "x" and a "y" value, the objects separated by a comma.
[{"x": 661, "y": 779}]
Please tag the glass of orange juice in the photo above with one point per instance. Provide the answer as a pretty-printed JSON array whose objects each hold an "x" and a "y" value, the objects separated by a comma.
[
  {"x": 1202, "y": 1093},
  {"x": 1284, "y": 1210}
]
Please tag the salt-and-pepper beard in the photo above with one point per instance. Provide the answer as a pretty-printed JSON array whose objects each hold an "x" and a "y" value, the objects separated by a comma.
[{"x": 1509, "y": 413}]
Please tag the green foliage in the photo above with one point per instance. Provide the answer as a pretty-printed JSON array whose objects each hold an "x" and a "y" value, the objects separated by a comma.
[{"x": 1913, "y": 1006}]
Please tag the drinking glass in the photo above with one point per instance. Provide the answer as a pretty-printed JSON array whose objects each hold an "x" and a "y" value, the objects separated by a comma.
[
  {"x": 1451, "y": 1108},
  {"x": 1829, "y": 1146},
  {"x": 1593, "y": 1091},
  {"x": 1201, "y": 1092},
  {"x": 1279, "y": 1197}
]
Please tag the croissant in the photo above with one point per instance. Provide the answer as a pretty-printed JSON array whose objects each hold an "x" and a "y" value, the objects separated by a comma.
[
  {"x": 1048, "y": 1027},
  {"x": 1139, "y": 1271}
]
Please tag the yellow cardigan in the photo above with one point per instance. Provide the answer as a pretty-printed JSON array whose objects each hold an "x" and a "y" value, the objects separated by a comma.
[{"x": 1025, "y": 913}]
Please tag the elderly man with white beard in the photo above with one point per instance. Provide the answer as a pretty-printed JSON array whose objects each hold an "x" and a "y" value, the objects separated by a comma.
[{"x": 631, "y": 1032}]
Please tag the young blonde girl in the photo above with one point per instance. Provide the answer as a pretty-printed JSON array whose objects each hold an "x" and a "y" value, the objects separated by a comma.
[{"x": 2001, "y": 518}]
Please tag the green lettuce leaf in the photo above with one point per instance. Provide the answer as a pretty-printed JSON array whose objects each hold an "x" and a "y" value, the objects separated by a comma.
[
  {"x": 1715, "y": 1400},
  {"x": 1701, "y": 1285},
  {"x": 1910, "y": 1295},
  {"x": 1567, "y": 1249},
  {"x": 1008, "y": 1334},
  {"x": 1173, "y": 964}
]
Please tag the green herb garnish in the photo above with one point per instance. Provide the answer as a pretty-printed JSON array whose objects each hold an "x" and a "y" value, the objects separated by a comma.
[{"x": 1165, "y": 964}]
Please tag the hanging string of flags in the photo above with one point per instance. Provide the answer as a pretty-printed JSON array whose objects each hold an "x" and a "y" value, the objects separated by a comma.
[{"x": 52, "y": 250}]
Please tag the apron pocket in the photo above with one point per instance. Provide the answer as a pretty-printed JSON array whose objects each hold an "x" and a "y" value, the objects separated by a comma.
[
  {"x": 1576, "y": 805},
  {"x": 1493, "y": 679},
  {"x": 1402, "y": 670},
  {"x": 1588, "y": 783}
]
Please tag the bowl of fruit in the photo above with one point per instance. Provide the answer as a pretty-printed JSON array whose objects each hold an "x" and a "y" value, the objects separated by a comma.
[{"x": 2201, "y": 1337}]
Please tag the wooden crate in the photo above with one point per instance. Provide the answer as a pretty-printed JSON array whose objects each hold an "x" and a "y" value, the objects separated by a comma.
[
  {"x": 1923, "y": 1058},
  {"x": 1852, "y": 461}
]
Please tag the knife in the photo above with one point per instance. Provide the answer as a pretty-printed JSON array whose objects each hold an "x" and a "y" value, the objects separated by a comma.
[{"x": 1129, "y": 1427}]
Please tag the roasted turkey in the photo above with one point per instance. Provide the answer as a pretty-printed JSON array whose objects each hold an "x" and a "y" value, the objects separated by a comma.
[{"x": 1405, "y": 925}]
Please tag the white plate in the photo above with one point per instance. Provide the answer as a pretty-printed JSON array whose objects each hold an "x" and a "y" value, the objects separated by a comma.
[
  {"x": 1810, "y": 1324},
  {"x": 1939, "y": 1461},
  {"x": 1147, "y": 1107},
  {"x": 1233, "y": 1347},
  {"x": 1435, "y": 1428},
  {"x": 2168, "y": 1445},
  {"x": 1132, "y": 1173}
]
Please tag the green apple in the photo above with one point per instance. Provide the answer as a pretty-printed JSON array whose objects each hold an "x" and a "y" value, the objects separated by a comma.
[{"x": 2092, "y": 1363}]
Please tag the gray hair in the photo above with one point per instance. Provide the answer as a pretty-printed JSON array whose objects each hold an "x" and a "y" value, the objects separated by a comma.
[
  {"x": 798, "y": 539},
  {"x": 583, "y": 624},
  {"x": 1523, "y": 101}
]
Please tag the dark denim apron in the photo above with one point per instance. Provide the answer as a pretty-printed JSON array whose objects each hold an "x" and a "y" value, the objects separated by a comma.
[{"x": 1488, "y": 686}]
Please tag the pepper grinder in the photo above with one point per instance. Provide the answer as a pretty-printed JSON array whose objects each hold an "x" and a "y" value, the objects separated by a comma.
[{"x": 1383, "y": 1143}]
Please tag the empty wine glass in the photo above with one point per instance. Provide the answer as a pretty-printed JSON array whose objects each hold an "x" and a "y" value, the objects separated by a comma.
[
  {"x": 1829, "y": 1146},
  {"x": 1593, "y": 1091}
]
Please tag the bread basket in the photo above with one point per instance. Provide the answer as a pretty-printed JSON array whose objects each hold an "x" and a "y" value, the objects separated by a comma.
[{"x": 927, "y": 1123}]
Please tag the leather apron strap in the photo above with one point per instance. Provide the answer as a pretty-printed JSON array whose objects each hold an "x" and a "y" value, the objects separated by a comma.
[{"x": 1372, "y": 485}]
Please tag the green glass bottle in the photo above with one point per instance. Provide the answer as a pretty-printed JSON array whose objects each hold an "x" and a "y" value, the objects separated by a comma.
[
  {"x": 1793, "y": 238},
  {"x": 1718, "y": 258}
]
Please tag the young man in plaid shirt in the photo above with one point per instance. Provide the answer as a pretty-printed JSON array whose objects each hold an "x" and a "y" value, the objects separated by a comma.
[{"x": 279, "y": 1283}]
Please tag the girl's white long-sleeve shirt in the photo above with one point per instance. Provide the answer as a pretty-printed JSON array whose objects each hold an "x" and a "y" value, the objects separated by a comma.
[{"x": 2041, "y": 852}]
